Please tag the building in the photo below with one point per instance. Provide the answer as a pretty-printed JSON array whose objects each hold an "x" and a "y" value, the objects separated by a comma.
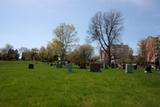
[
  {"x": 152, "y": 49},
  {"x": 120, "y": 53}
]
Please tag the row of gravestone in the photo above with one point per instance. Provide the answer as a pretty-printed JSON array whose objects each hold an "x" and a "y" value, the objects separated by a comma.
[
  {"x": 95, "y": 67},
  {"x": 31, "y": 66},
  {"x": 130, "y": 68}
]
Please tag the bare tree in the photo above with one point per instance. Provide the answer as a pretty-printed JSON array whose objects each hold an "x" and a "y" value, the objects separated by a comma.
[{"x": 106, "y": 28}]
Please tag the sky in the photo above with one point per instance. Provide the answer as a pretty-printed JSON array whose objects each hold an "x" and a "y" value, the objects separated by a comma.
[{"x": 30, "y": 23}]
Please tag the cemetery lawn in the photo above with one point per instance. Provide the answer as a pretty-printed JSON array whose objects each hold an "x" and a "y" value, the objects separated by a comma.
[{"x": 46, "y": 86}]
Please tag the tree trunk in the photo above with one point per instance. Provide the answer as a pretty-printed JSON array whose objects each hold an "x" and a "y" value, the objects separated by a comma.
[{"x": 109, "y": 56}]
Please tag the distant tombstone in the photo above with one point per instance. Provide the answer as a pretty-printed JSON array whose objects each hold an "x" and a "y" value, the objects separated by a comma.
[
  {"x": 69, "y": 66},
  {"x": 31, "y": 66},
  {"x": 123, "y": 66},
  {"x": 58, "y": 65},
  {"x": 112, "y": 65},
  {"x": 157, "y": 63},
  {"x": 135, "y": 67},
  {"x": 148, "y": 69},
  {"x": 104, "y": 65},
  {"x": 95, "y": 67},
  {"x": 51, "y": 64},
  {"x": 82, "y": 66},
  {"x": 129, "y": 68}
]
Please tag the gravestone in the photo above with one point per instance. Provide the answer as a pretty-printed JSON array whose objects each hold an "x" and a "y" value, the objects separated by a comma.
[
  {"x": 135, "y": 66},
  {"x": 129, "y": 68},
  {"x": 51, "y": 64},
  {"x": 112, "y": 65},
  {"x": 69, "y": 66},
  {"x": 123, "y": 66},
  {"x": 31, "y": 66},
  {"x": 58, "y": 65},
  {"x": 104, "y": 65},
  {"x": 82, "y": 66},
  {"x": 148, "y": 69},
  {"x": 95, "y": 67},
  {"x": 157, "y": 63}
]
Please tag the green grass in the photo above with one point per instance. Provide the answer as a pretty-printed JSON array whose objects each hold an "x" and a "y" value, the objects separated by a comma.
[{"x": 46, "y": 86}]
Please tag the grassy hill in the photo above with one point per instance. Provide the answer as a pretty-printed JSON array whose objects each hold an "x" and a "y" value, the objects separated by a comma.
[{"x": 46, "y": 86}]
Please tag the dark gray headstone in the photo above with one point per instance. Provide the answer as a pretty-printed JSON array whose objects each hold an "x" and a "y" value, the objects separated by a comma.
[
  {"x": 148, "y": 69},
  {"x": 135, "y": 67},
  {"x": 82, "y": 66},
  {"x": 95, "y": 67},
  {"x": 31, "y": 66},
  {"x": 112, "y": 65},
  {"x": 123, "y": 66}
]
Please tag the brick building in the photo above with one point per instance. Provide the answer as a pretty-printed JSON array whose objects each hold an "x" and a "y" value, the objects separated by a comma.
[
  {"x": 152, "y": 46},
  {"x": 120, "y": 53}
]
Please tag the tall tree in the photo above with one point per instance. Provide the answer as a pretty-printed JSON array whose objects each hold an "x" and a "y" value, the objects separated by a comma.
[
  {"x": 83, "y": 54},
  {"x": 43, "y": 53},
  {"x": 8, "y": 53},
  {"x": 142, "y": 54},
  {"x": 105, "y": 28},
  {"x": 13, "y": 54},
  {"x": 67, "y": 34},
  {"x": 86, "y": 52},
  {"x": 5, "y": 51},
  {"x": 34, "y": 54},
  {"x": 22, "y": 50},
  {"x": 55, "y": 49},
  {"x": 8, "y": 47}
]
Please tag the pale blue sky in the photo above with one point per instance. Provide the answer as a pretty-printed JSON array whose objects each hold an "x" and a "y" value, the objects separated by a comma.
[{"x": 30, "y": 23}]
